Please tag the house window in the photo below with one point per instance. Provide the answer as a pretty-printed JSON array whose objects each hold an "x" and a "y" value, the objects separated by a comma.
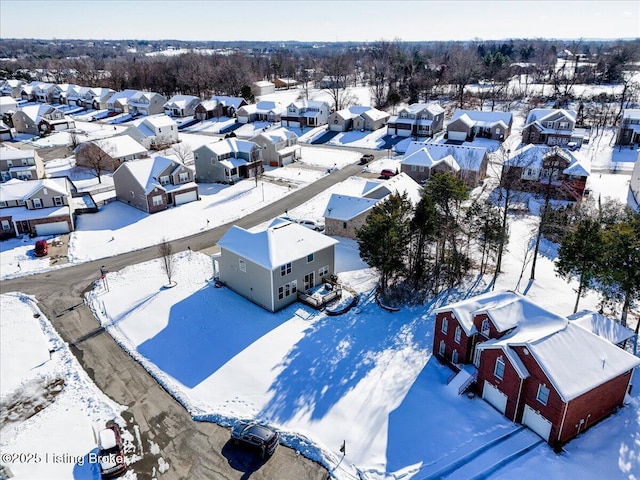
[
  {"x": 285, "y": 269},
  {"x": 132, "y": 194},
  {"x": 543, "y": 394},
  {"x": 164, "y": 179},
  {"x": 37, "y": 203},
  {"x": 344, "y": 224},
  {"x": 58, "y": 201},
  {"x": 310, "y": 258},
  {"x": 486, "y": 327},
  {"x": 294, "y": 287},
  {"x": 445, "y": 325},
  {"x": 454, "y": 357},
  {"x": 441, "y": 348},
  {"x": 184, "y": 177},
  {"x": 421, "y": 169},
  {"x": 242, "y": 265},
  {"x": 324, "y": 271},
  {"x": 498, "y": 371},
  {"x": 414, "y": 168},
  {"x": 280, "y": 293},
  {"x": 457, "y": 335},
  {"x": 3, "y": 204},
  {"x": 6, "y": 225},
  {"x": 156, "y": 200}
]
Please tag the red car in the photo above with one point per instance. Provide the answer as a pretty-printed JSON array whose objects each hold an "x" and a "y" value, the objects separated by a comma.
[
  {"x": 42, "y": 248},
  {"x": 386, "y": 173}
]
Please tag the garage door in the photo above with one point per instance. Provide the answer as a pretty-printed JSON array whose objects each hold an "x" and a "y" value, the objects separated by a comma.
[
  {"x": 336, "y": 127},
  {"x": 55, "y": 228},
  {"x": 536, "y": 422},
  {"x": 462, "y": 136},
  {"x": 495, "y": 397},
  {"x": 186, "y": 197}
]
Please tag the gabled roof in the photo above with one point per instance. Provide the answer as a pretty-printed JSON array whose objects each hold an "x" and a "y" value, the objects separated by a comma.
[
  {"x": 399, "y": 184},
  {"x": 15, "y": 189},
  {"x": 8, "y": 152},
  {"x": 539, "y": 115},
  {"x": 432, "y": 108},
  {"x": 532, "y": 156},
  {"x": 280, "y": 243},
  {"x": 146, "y": 171},
  {"x": 120, "y": 146},
  {"x": 468, "y": 158},
  {"x": 181, "y": 101},
  {"x": 423, "y": 158},
  {"x": 602, "y": 326},
  {"x": 276, "y": 135},
  {"x": 352, "y": 112},
  {"x": 34, "y": 112},
  {"x": 482, "y": 118},
  {"x": 230, "y": 145},
  {"x": 228, "y": 101},
  {"x": 304, "y": 104},
  {"x": 374, "y": 114},
  {"x": 346, "y": 207}
]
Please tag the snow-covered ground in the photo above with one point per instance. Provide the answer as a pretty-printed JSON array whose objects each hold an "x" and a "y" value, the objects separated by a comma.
[{"x": 51, "y": 410}]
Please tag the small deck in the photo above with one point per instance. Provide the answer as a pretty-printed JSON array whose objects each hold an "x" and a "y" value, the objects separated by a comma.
[{"x": 322, "y": 294}]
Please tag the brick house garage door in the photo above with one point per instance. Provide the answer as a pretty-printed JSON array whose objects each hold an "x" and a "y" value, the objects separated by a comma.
[
  {"x": 186, "y": 197},
  {"x": 536, "y": 422},
  {"x": 55, "y": 228},
  {"x": 495, "y": 397}
]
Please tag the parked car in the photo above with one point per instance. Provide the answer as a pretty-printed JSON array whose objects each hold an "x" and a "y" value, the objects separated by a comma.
[
  {"x": 111, "y": 452},
  {"x": 312, "y": 224},
  {"x": 573, "y": 146},
  {"x": 257, "y": 436},
  {"x": 386, "y": 173},
  {"x": 41, "y": 249},
  {"x": 366, "y": 159}
]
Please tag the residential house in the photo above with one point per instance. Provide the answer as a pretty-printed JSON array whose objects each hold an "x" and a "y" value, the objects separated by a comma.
[
  {"x": 38, "y": 119},
  {"x": 422, "y": 160},
  {"x": 28, "y": 91},
  {"x": 263, "y": 87},
  {"x": 634, "y": 184},
  {"x": 553, "y": 127},
  {"x": 417, "y": 120},
  {"x": 119, "y": 101},
  {"x": 217, "y": 107},
  {"x": 345, "y": 214},
  {"x": 540, "y": 167},
  {"x": 181, "y": 106},
  {"x": 343, "y": 120},
  {"x": 227, "y": 161},
  {"x": 11, "y": 88},
  {"x": 535, "y": 367},
  {"x": 7, "y": 105},
  {"x": 306, "y": 113},
  {"x": 155, "y": 132},
  {"x": 371, "y": 119},
  {"x": 465, "y": 125},
  {"x": 36, "y": 207},
  {"x": 88, "y": 97},
  {"x": 285, "y": 83},
  {"x": 270, "y": 266},
  {"x": 263, "y": 111},
  {"x": 20, "y": 163},
  {"x": 47, "y": 92},
  {"x": 109, "y": 152},
  {"x": 629, "y": 130},
  {"x": 279, "y": 146},
  {"x": 154, "y": 184},
  {"x": 147, "y": 103}
]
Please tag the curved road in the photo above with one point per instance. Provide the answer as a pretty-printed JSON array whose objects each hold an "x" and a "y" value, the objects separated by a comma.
[{"x": 193, "y": 450}]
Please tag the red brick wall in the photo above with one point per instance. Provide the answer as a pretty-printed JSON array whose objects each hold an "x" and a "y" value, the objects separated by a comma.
[
  {"x": 493, "y": 332},
  {"x": 510, "y": 383},
  {"x": 465, "y": 353},
  {"x": 162, "y": 206}
]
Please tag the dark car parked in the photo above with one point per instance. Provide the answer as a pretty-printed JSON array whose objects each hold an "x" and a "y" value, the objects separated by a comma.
[
  {"x": 365, "y": 159},
  {"x": 256, "y": 435}
]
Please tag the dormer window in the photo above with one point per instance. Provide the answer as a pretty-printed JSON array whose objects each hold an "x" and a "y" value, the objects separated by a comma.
[
  {"x": 486, "y": 327},
  {"x": 164, "y": 180}
]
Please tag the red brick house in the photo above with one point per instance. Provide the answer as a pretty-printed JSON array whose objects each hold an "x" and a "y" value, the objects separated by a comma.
[{"x": 535, "y": 367}]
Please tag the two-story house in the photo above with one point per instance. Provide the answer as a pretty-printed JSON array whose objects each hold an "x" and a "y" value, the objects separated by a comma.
[
  {"x": 47, "y": 93},
  {"x": 552, "y": 126},
  {"x": 20, "y": 163},
  {"x": 147, "y": 103},
  {"x": 219, "y": 106},
  {"x": 227, "y": 161},
  {"x": 119, "y": 101},
  {"x": 38, "y": 119},
  {"x": 155, "y": 132},
  {"x": 535, "y": 367},
  {"x": 465, "y": 125},
  {"x": 269, "y": 267},
  {"x": 7, "y": 104},
  {"x": 305, "y": 113},
  {"x": 422, "y": 160},
  {"x": 11, "y": 88},
  {"x": 417, "y": 120},
  {"x": 36, "y": 207},
  {"x": 263, "y": 111},
  {"x": 629, "y": 130},
  {"x": 279, "y": 146},
  {"x": 540, "y": 168},
  {"x": 154, "y": 184},
  {"x": 181, "y": 106}
]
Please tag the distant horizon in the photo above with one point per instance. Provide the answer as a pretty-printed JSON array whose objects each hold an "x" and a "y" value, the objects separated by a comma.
[{"x": 329, "y": 21}]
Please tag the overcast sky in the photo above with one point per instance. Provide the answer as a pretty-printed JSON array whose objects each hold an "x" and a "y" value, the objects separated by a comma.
[{"x": 319, "y": 21}]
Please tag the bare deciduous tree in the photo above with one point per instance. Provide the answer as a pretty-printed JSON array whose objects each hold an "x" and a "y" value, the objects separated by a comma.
[
  {"x": 96, "y": 157},
  {"x": 166, "y": 257},
  {"x": 182, "y": 152}
]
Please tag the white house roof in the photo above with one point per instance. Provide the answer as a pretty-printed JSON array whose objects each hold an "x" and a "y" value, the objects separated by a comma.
[
  {"x": 36, "y": 111},
  {"x": 277, "y": 135},
  {"x": 467, "y": 157},
  {"x": 532, "y": 156},
  {"x": 346, "y": 207},
  {"x": 15, "y": 189},
  {"x": 631, "y": 114},
  {"x": 181, "y": 101},
  {"x": 146, "y": 171},
  {"x": 159, "y": 121},
  {"x": 576, "y": 360},
  {"x": 542, "y": 114},
  {"x": 602, "y": 326},
  {"x": 231, "y": 145},
  {"x": 280, "y": 243},
  {"x": 263, "y": 83},
  {"x": 122, "y": 97},
  {"x": 432, "y": 108},
  {"x": 232, "y": 162},
  {"x": 483, "y": 118},
  {"x": 121, "y": 146},
  {"x": 228, "y": 101},
  {"x": 10, "y": 153},
  {"x": 422, "y": 158},
  {"x": 7, "y": 102},
  {"x": 398, "y": 184}
]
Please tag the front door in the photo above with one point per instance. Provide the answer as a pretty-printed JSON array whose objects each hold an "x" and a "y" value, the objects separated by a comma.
[{"x": 309, "y": 281}]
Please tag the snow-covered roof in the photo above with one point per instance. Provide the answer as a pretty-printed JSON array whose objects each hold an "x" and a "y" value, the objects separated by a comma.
[
  {"x": 576, "y": 360},
  {"x": 277, "y": 135},
  {"x": 232, "y": 162},
  {"x": 304, "y": 104},
  {"x": 181, "y": 101},
  {"x": 352, "y": 112},
  {"x": 532, "y": 156},
  {"x": 544, "y": 114},
  {"x": 121, "y": 146},
  {"x": 122, "y": 97},
  {"x": 159, "y": 121},
  {"x": 263, "y": 83},
  {"x": 346, "y": 207},
  {"x": 374, "y": 114},
  {"x": 422, "y": 158},
  {"x": 147, "y": 170},
  {"x": 280, "y": 243},
  {"x": 398, "y": 184},
  {"x": 15, "y": 189},
  {"x": 228, "y": 101},
  {"x": 631, "y": 114},
  {"x": 230, "y": 145},
  {"x": 602, "y": 326},
  {"x": 36, "y": 111},
  {"x": 10, "y": 153},
  {"x": 467, "y": 157},
  {"x": 483, "y": 118},
  {"x": 432, "y": 108}
]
